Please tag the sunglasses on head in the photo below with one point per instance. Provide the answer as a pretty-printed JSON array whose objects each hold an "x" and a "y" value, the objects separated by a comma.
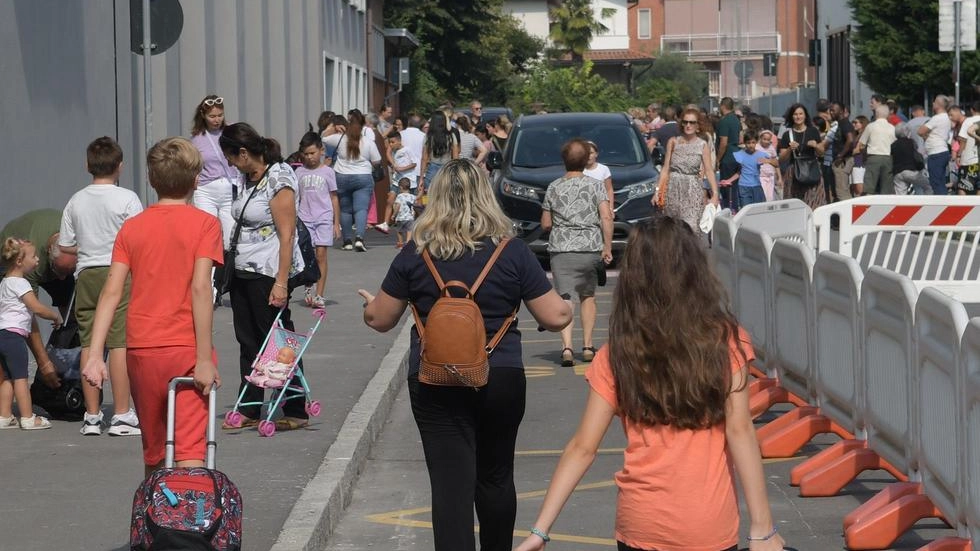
[{"x": 211, "y": 102}]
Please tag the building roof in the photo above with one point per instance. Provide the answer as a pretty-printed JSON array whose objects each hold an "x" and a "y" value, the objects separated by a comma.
[{"x": 603, "y": 57}]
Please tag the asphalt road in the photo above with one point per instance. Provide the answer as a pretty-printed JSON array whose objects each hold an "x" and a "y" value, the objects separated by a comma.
[{"x": 390, "y": 509}]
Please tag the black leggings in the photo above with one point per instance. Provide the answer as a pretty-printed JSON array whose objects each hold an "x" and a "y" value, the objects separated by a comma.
[
  {"x": 253, "y": 319},
  {"x": 620, "y": 546},
  {"x": 468, "y": 438}
]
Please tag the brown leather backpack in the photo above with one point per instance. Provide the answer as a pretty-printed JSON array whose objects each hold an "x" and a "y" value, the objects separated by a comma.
[{"x": 454, "y": 347}]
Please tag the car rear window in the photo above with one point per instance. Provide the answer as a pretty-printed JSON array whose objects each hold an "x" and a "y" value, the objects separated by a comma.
[{"x": 540, "y": 146}]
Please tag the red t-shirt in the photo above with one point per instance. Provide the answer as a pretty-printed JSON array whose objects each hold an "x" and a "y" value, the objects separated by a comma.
[
  {"x": 676, "y": 491},
  {"x": 160, "y": 246}
]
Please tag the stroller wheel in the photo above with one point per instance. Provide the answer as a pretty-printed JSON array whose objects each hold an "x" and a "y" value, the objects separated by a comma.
[
  {"x": 233, "y": 419},
  {"x": 313, "y": 408},
  {"x": 267, "y": 428}
]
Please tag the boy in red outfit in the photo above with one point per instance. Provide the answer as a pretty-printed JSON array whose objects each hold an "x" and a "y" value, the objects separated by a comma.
[{"x": 169, "y": 249}]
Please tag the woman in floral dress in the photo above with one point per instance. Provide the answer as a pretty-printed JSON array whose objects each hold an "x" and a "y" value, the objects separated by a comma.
[{"x": 686, "y": 165}]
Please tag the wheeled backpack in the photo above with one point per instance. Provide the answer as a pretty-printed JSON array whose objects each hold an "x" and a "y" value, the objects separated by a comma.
[{"x": 187, "y": 509}]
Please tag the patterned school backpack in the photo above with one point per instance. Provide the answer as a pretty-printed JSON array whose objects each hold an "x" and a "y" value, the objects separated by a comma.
[{"x": 188, "y": 509}]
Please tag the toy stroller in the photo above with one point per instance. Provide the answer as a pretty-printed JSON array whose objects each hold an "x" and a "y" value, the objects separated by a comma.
[{"x": 276, "y": 367}]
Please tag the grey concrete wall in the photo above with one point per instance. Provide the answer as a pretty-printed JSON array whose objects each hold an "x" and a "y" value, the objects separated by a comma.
[{"x": 69, "y": 77}]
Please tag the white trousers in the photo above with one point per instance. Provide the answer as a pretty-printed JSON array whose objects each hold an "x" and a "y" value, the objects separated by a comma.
[{"x": 215, "y": 198}]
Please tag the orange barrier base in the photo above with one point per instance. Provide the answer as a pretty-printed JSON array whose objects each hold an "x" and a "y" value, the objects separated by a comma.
[
  {"x": 758, "y": 385},
  {"x": 880, "y": 521},
  {"x": 790, "y": 432},
  {"x": 824, "y": 474},
  {"x": 948, "y": 544},
  {"x": 770, "y": 394}
]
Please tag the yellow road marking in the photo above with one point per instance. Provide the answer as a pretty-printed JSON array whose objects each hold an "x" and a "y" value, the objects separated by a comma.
[
  {"x": 401, "y": 518},
  {"x": 532, "y": 371}
]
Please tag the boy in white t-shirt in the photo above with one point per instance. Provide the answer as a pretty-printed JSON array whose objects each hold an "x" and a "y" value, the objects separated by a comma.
[
  {"x": 405, "y": 215},
  {"x": 89, "y": 226},
  {"x": 403, "y": 166}
]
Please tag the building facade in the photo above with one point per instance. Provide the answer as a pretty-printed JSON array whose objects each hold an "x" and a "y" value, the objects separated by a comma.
[
  {"x": 838, "y": 75},
  {"x": 72, "y": 77},
  {"x": 730, "y": 38}
]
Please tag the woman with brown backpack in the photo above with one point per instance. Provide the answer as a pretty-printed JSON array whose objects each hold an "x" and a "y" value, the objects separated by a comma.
[{"x": 467, "y": 389}]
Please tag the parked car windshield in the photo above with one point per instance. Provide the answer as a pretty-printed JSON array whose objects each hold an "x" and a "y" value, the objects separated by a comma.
[{"x": 540, "y": 146}]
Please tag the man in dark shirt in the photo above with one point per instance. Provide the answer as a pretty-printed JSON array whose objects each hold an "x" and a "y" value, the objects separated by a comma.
[
  {"x": 670, "y": 129},
  {"x": 728, "y": 134},
  {"x": 843, "y": 146}
]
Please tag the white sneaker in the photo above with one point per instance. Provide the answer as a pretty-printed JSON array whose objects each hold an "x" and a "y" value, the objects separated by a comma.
[
  {"x": 92, "y": 424},
  {"x": 126, "y": 424},
  {"x": 359, "y": 245},
  {"x": 382, "y": 227}
]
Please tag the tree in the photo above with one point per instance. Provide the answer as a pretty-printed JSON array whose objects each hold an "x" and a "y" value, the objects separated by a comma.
[
  {"x": 672, "y": 79},
  {"x": 896, "y": 46},
  {"x": 559, "y": 89},
  {"x": 468, "y": 49},
  {"x": 574, "y": 24}
]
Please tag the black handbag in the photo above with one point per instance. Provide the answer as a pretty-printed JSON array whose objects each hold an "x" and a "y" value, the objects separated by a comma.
[
  {"x": 64, "y": 349},
  {"x": 311, "y": 272},
  {"x": 378, "y": 172},
  {"x": 806, "y": 168}
]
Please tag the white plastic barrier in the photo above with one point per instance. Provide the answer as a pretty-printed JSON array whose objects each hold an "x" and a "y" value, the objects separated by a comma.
[
  {"x": 838, "y": 373},
  {"x": 970, "y": 358},
  {"x": 891, "y": 412},
  {"x": 723, "y": 251},
  {"x": 931, "y": 239},
  {"x": 787, "y": 219},
  {"x": 939, "y": 325},
  {"x": 792, "y": 345},
  {"x": 752, "y": 294}
]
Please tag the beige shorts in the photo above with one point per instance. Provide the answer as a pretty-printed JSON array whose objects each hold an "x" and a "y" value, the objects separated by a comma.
[{"x": 87, "y": 290}]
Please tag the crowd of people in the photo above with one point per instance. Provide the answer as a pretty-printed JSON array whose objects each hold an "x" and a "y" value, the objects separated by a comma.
[
  {"x": 676, "y": 362},
  {"x": 819, "y": 158}
]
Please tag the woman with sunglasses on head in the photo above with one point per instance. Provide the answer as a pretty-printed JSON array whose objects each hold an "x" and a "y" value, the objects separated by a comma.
[
  {"x": 215, "y": 185},
  {"x": 687, "y": 162}
]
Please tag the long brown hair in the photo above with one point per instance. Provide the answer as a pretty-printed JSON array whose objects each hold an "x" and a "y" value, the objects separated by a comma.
[
  {"x": 669, "y": 333},
  {"x": 354, "y": 131},
  {"x": 199, "y": 125}
]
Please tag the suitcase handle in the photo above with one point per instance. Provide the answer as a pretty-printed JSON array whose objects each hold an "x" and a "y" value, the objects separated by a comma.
[{"x": 171, "y": 411}]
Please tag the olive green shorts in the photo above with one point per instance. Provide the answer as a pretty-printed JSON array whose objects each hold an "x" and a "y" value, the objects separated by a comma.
[{"x": 87, "y": 288}]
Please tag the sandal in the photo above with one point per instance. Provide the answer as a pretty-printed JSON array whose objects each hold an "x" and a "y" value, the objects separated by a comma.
[
  {"x": 588, "y": 353},
  {"x": 9, "y": 423},
  {"x": 34, "y": 422},
  {"x": 247, "y": 422},
  {"x": 570, "y": 360},
  {"x": 292, "y": 423}
]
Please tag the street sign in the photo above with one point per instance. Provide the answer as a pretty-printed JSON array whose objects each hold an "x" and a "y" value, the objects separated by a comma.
[
  {"x": 744, "y": 70},
  {"x": 947, "y": 25},
  {"x": 166, "y": 22}
]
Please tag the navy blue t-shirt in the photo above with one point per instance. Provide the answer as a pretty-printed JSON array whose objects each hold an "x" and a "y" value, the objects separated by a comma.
[{"x": 517, "y": 276}]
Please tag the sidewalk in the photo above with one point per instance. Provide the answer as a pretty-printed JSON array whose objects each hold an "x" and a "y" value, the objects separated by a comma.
[{"x": 60, "y": 489}]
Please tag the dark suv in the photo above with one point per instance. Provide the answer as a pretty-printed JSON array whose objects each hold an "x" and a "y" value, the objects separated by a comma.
[{"x": 532, "y": 160}]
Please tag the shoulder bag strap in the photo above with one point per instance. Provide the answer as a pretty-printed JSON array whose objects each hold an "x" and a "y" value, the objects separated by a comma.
[{"x": 233, "y": 244}]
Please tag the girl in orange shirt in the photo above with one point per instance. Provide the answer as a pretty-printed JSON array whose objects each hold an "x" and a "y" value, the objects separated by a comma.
[{"x": 675, "y": 371}]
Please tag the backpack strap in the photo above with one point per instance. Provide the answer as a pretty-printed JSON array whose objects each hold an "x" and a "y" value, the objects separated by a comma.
[
  {"x": 490, "y": 263},
  {"x": 433, "y": 270}
]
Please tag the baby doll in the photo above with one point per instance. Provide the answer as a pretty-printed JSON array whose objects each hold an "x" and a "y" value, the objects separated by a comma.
[{"x": 273, "y": 374}]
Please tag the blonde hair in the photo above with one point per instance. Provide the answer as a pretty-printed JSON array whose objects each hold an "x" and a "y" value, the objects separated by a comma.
[
  {"x": 13, "y": 251},
  {"x": 173, "y": 165},
  {"x": 461, "y": 211}
]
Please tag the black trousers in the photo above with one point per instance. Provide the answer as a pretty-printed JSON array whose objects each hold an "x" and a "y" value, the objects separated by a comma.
[
  {"x": 253, "y": 319},
  {"x": 829, "y": 187},
  {"x": 468, "y": 438},
  {"x": 620, "y": 546}
]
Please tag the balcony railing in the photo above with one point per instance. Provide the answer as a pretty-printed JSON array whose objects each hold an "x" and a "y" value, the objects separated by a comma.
[{"x": 713, "y": 45}]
